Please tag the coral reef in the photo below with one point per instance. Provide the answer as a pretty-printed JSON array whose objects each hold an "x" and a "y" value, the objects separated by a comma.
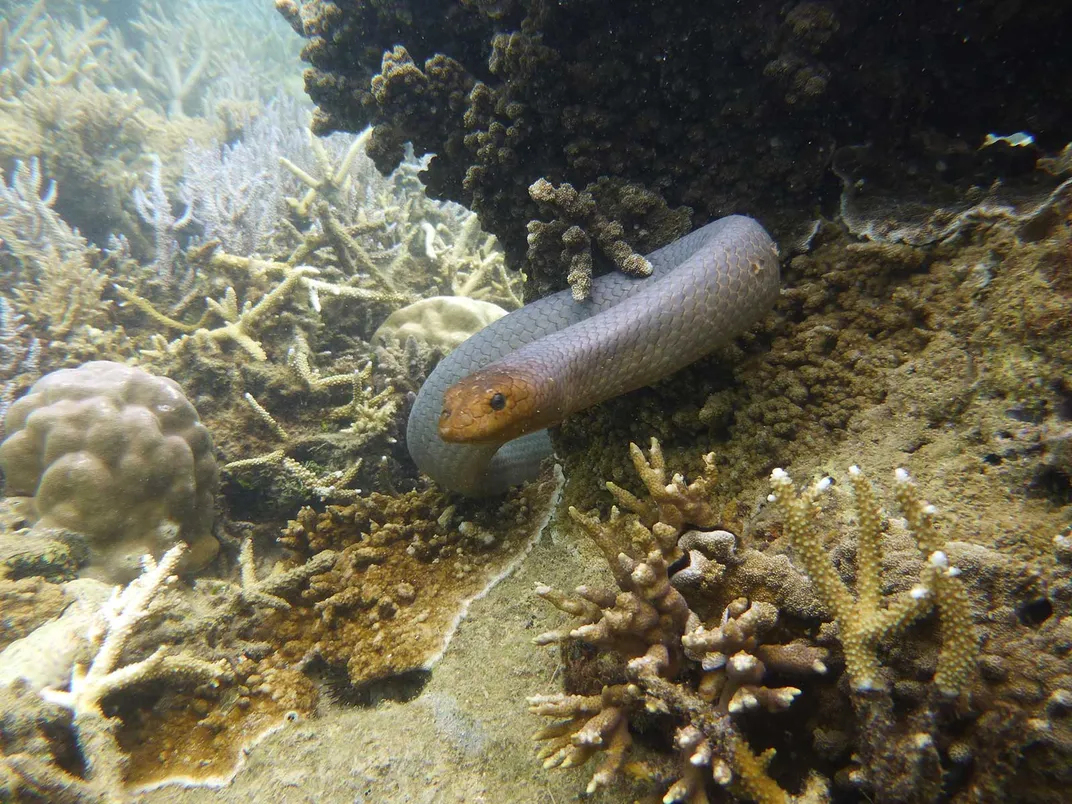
[
  {"x": 708, "y": 630},
  {"x": 165, "y": 205},
  {"x": 118, "y": 455},
  {"x": 716, "y": 109}
]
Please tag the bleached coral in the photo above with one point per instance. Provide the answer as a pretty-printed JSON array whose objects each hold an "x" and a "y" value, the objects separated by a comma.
[
  {"x": 171, "y": 62},
  {"x": 20, "y": 355},
  {"x": 56, "y": 285},
  {"x": 155, "y": 208},
  {"x": 178, "y": 53},
  {"x": 41, "y": 49},
  {"x": 29, "y": 226},
  {"x": 236, "y": 190},
  {"x": 105, "y": 675}
]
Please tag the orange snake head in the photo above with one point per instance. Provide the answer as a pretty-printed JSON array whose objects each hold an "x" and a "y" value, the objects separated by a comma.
[{"x": 493, "y": 406}]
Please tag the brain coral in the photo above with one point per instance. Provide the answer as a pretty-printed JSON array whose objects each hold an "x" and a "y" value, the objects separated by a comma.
[{"x": 118, "y": 455}]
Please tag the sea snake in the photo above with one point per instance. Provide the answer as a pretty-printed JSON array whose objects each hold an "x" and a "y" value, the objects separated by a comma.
[{"x": 477, "y": 425}]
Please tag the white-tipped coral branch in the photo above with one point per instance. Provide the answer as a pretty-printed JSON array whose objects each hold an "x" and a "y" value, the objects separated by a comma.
[
  {"x": 89, "y": 686},
  {"x": 863, "y": 621}
]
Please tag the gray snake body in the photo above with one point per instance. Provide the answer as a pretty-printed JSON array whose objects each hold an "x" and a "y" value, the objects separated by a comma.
[{"x": 705, "y": 289}]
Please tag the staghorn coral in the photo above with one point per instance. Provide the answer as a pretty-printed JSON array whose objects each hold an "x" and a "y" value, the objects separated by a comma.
[
  {"x": 92, "y": 141},
  {"x": 19, "y": 357},
  {"x": 154, "y": 208},
  {"x": 194, "y": 732},
  {"x": 42, "y": 50},
  {"x": 30, "y": 228},
  {"x": 235, "y": 190},
  {"x": 377, "y": 238},
  {"x": 863, "y": 622},
  {"x": 184, "y": 57},
  {"x": 375, "y": 233},
  {"x": 370, "y": 414},
  {"x": 56, "y": 284},
  {"x": 752, "y": 642},
  {"x": 203, "y": 738}
]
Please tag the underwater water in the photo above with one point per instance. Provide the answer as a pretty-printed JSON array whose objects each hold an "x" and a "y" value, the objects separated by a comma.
[{"x": 514, "y": 401}]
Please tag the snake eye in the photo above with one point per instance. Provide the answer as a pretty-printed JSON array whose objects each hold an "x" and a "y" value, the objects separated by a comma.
[{"x": 497, "y": 401}]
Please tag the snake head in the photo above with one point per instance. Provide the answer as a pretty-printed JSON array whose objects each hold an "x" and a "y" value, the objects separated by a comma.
[{"x": 491, "y": 406}]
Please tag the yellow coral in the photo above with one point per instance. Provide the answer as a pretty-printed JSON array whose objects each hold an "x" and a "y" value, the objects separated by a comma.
[{"x": 863, "y": 622}]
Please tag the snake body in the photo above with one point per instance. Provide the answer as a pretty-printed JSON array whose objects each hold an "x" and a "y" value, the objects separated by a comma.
[{"x": 537, "y": 365}]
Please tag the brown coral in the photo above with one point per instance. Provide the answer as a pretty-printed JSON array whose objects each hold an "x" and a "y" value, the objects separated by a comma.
[
  {"x": 702, "y": 675},
  {"x": 408, "y": 567}
]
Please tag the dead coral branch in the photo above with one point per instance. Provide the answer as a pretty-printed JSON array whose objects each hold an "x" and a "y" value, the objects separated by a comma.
[{"x": 89, "y": 686}]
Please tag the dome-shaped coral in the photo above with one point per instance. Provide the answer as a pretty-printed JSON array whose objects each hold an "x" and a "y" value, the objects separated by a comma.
[{"x": 118, "y": 455}]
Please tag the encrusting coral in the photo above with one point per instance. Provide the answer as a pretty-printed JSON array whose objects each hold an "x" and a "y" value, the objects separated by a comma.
[{"x": 408, "y": 566}]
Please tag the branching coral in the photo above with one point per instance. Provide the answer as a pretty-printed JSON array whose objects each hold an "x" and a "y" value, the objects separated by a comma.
[
  {"x": 863, "y": 621},
  {"x": 29, "y": 226},
  {"x": 19, "y": 357},
  {"x": 236, "y": 189},
  {"x": 59, "y": 289},
  {"x": 173, "y": 62},
  {"x": 154, "y": 207},
  {"x": 369, "y": 414},
  {"x": 105, "y": 676},
  {"x": 39, "y": 49},
  {"x": 580, "y": 213},
  {"x": 701, "y": 676}
]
